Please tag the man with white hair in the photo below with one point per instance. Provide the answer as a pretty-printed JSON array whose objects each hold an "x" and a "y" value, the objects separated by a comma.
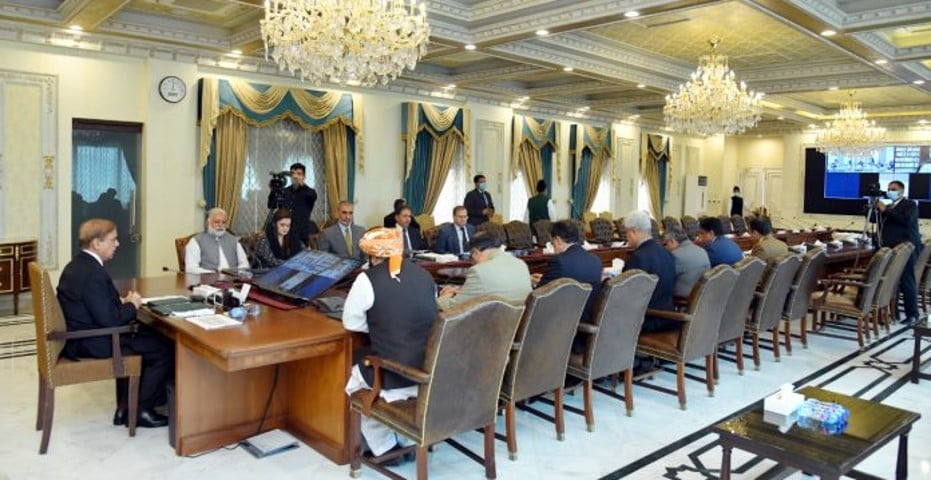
[
  {"x": 651, "y": 257},
  {"x": 214, "y": 249}
]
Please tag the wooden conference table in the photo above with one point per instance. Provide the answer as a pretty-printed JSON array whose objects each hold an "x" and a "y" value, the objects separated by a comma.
[{"x": 223, "y": 377}]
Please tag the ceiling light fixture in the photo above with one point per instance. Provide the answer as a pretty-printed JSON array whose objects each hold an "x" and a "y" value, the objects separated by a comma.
[
  {"x": 780, "y": 117},
  {"x": 919, "y": 82},
  {"x": 470, "y": 47},
  {"x": 341, "y": 40},
  {"x": 711, "y": 101},
  {"x": 567, "y": 69},
  {"x": 850, "y": 134},
  {"x": 881, "y": 61},
  {"x": 451, "y": 86},
  {"x": 76, "y": 28},
  {"x": 833, "y": 88},
  {"x": 640, "y": 85},
  {"x": 236, "y": 53},
  {"x": 631, "y": 14},
  {"x": 828, "y": 33},
  {"x": 524, "y": 98},
  {"x": 542, "y": 32}
]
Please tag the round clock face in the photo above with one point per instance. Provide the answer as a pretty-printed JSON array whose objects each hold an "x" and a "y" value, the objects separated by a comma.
[{"x": 172, "y": 89}]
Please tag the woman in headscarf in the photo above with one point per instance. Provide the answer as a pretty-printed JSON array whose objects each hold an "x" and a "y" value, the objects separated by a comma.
[{"x": 278, "y": 244}]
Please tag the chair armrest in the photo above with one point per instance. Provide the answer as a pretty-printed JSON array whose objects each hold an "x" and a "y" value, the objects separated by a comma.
[
  {"x": 680, "y": 301},
  {"x": 515, "y": 347},
  {"x": 377, "y": 364},
  {"x": 668, "y": 314},
  {"x": 588, "y": 328},
  {"x": 846, "y": 276},
  {"x": 842, "y": 282},
  {"x": 855, "y": 270},
  {"x": 113, "y": 332}
]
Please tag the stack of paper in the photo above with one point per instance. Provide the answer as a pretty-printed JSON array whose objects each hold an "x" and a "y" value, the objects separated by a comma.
[{"x": 210, "y": 322}]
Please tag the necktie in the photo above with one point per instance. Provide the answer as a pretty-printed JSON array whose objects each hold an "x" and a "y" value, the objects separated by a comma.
[
  {"x": 407, "y": 241},
  {"x": 485, "y": 198},
  {"x": 347, "y": 235},
  {"x": 463, "y": 239}
]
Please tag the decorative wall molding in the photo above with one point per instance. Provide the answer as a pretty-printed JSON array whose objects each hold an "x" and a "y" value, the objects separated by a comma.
[{"x": 489, "y": 158}]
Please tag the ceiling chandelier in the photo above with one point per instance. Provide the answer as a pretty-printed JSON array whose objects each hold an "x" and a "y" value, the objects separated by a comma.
[
  {"x": 354, "y": 42},
  {"x": 850, "y": 135},
  {"x": 712, "y": 102}
]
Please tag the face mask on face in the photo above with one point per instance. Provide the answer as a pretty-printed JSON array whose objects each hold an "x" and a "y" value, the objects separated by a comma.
[
  {"x": 482, "y": 186},
  {"x": 893, "y": 195}
]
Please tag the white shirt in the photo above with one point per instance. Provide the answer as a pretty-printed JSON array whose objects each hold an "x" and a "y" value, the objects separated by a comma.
[
  {"x": 360, "y": 299},
  {"x": 192, "y": 258}
]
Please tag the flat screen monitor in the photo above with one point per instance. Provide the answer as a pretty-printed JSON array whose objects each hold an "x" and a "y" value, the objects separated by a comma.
[{"x": 307, "y": 274}]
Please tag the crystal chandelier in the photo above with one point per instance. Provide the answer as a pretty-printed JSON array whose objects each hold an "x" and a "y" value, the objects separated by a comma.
[
  {"x": 355, "y": 42},
  {"x": 850, "y": 135},
  {"x": 712, "y": 102}
]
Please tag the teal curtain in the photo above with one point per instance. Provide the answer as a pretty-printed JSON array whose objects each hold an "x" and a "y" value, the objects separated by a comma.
[
  {"x": 546, "y": 156},
  {"x": 658, "y": 151},
  {"x": 590, "y": 149},
  {"x": 210, "y": 176},
  {"x": 415, "y": 191},
  {"x": 426, "y": 123},
  {"x": 580, "y": 183}
]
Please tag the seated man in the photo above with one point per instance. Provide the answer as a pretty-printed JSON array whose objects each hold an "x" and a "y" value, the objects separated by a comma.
[
  {"x": 409, "y": 233},
  {"x": 454, "y": 237},
  {"x": 691, "y": 260},
  {"x": 494, "y": 272},
  {"x": 342, "y": 238},
  {"x": 651, "y": 257},
  {"x": 214, "y": 249},
  {"x": 89, "y": 300},
  {"x": 572, "y": 261},
  {"x": 393, "y": 301},
  {"x": 720, "y": 248},
  {"x": 769, "y": 247},
  {"x": 390, "y": 222}
]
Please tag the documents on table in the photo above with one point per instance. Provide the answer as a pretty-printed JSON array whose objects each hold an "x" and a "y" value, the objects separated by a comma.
[{"x": 213, "y": 321}]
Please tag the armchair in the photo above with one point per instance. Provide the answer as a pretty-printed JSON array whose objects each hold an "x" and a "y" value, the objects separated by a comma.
[
  {"x": 800, "y": 296},
  {"x": 734, "y": 321},
  {"x": 770, "y": 301}
]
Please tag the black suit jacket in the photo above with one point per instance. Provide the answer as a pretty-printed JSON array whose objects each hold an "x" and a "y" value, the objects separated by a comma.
[
  {"x": 390, "y": 222},
  {"x": 447, "y": 240},
  {"x": 652, "y": 257},
  {"x": 579, "y": 265},
  {"x": 900, "y": 224},
  {"x": 416, "y": 238},
  {"x": 475, "y": 203},
  {"x": 89, "y": 300}
]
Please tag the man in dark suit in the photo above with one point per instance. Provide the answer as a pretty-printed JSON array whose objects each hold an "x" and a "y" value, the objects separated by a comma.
[
  {"x": 478, "y": 202},
  {"x": 89, "y": 300},
  {"x": 409, "y": 233},
  {"x": 301, "y": 199},
  {"x": 390, "y": 222},
  {"x": 454, "y": 237},
  {"x": 342, "y": 238},
  {"x": 572, "y": 261},
  {"x": 651, "y": 257},
  {"x": 899, "y": 225}
]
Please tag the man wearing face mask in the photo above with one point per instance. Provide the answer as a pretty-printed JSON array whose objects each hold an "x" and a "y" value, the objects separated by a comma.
[
  {"x": 478, "y": 202},
  {"x": 900, "y": 224},
  {"x": 214, "y": 249}
]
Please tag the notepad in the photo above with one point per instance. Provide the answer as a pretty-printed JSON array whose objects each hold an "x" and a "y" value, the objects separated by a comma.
[
  {"x": 213, "y": 321},
  {"x": 270, "y": 443}
]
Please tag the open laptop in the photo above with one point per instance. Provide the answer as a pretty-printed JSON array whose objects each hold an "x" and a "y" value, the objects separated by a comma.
[{"x": 306, "y": 275}]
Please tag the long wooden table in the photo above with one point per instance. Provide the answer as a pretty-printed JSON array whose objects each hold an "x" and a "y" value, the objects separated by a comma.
[{"x": 224, "y": 377}]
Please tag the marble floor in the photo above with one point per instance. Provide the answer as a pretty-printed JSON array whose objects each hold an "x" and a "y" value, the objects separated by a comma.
[{"x": 658, "y": 441}]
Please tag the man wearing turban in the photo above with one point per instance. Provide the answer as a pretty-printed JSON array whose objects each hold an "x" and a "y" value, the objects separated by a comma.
[{"x": 394, "y": 301}]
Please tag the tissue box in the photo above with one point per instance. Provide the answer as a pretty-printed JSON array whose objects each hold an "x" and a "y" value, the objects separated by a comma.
[{"x": 784, "y": 402}]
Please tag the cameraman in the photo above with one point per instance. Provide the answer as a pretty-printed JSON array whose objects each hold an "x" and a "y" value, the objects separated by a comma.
[
  {"x": 301, "y": 199},
  {"x": 900, "y": 224}
]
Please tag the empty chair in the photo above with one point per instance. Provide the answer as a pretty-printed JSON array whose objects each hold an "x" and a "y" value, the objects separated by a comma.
[
  {"x": 734, "y": 321},
  {"x": 541, "y": 350},
  {"x": 458, "y": 385},
  {"x": 770, "y": 301},
  {"x": 690, "y": 225},
  {"x": 543, "y": 230},
  {"x": 180, "y": 245},
  {"x": 493, "y": 229},
  {"x": 602, "y": 231},
  {"x": 922, "y": 273},
  {"x": 740, "y": 226},
  {"x": 519, "y": 236},
  {"x": 888, "y": 285},
  {"x": 607, "y": 215},
  {"x": 426, "y": 221},
  {"x": 611, "y": 337},
  {"x": 56, "y": 371},
  {"x": 587, "y": 218},
  {"x": 697, "y": 335},
  {"x": 669, "y": 222},
  {"x": 726, "y": 224},
  {"x": 800, "y": 295}
]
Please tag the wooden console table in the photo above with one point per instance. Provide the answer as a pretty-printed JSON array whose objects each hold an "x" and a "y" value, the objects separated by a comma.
[{"x": 15, "y": 254}]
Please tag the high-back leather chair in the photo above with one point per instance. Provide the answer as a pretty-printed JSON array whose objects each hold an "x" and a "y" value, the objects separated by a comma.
[
  {"x": 619, "y": 226},
  {"x": 430, "y": 235},
  {"x": 494, "y": 229},
  {"x": 800, "y": 295},
  {"x": 56, "y": 371},
  {"x": 690, "y": 225},
  {"x": 833, "y": 301},
  {"x": 726, "y": 224},
  {"x": 541, "y": 350},
  {"x": 734, "y": 321},
  {"x": 518, "y": 235},
  {"x": 587, "y": 218},
  {"x": 770, "y": 301},
  {"x": 697, "y": 335},
  {"x": 923, "y": 274},
  {"x": 426, "y": 221},
  {"x": 543, "y": 229},
  {"x": 740, "y": 226},
  {"x": 888, "y": 285},
  {"x": 180, "y": 244},
  {"x": 606, "y": 214},
  {"x": 459, "y": 383},
  {"x": 602, "y": 230},
  {"x": 610, "y": 337}
]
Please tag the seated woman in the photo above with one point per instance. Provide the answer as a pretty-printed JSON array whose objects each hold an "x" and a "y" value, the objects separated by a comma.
[{"x": 278, "y": 245}]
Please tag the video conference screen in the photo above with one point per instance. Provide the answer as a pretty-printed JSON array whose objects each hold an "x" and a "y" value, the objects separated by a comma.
[
  {"x": 307, "y": 274},
  {"x": 839, "y": 185}
]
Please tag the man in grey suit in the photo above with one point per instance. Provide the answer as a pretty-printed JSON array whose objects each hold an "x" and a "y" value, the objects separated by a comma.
[
  {"x": 342, "y": 238},
  {"x": 691, "y": 260},
  {"x": 493, "y": 272}
]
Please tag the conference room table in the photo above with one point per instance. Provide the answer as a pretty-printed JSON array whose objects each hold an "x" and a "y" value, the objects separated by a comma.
[{"x": 294, "y": 361}]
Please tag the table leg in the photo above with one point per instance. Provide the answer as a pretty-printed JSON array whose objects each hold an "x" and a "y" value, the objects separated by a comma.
[
  {"x": 726, "y": 461},
  {"x": 901, "y": 464}
]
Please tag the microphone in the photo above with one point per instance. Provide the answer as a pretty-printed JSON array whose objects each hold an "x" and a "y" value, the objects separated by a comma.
[{"x": 172, "y": 270}]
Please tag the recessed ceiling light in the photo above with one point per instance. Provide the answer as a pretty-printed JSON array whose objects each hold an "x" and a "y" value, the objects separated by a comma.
[
  {"x": 812, "y": 125},
  {"x": 828, "y": 33},
  {"x": 76, "y": 28},
  {"x": 919, "y": 82},
  {"x": 640, "y": 85},
  {"x": 780, "y": 117},
  {"x": 668, "y": 129},
  {"x": 881, "y": 61},
  {"x": 584, "y": 109},
  {"x": 832, "y": 88},
  {"x": 524, "y": 98},
  {"x": 470, "y": 47},
  {"x": 631, "y": 14},
  {"x": 542, "y": 32},
  {"x": 922, "y": 121},
  {"x": 451, "y": 85},
  {"x": 567, "y": 69},
  {"x": 236, "y": 52}
]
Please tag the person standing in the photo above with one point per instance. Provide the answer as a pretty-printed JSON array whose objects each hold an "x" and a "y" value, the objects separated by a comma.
[
  {"x": 540, "y": 206},
  {"x": 301, "y": 200},
  {"x": 899, "y": 225},
  {"x": 478, "y": 202},
  {"x": 737, "y": 202},
  {"x": 89, "y": 301}
]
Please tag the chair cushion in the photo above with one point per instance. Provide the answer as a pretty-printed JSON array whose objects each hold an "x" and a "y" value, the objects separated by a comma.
[
  {"x": 834, "y": 302},
  {"x": 70, "y": 372},
  {"x": 400, "y": 416},
  {"x": 661, "y": 344}
]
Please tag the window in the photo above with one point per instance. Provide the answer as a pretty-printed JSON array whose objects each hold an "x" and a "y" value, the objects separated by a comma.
[
  {"x": 519, "y": 196},
  {"x": 602, "y": 202},
  {"x": 273, "y": 149},
  {"x": 643, "y": 199},
  {"x": 454, "y": 190}
]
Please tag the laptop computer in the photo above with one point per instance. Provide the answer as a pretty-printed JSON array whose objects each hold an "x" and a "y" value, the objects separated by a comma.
[{"x": 306, "y": 275}]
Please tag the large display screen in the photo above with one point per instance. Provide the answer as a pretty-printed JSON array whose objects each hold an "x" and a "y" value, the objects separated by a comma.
[{"x": 307, "y": 274}]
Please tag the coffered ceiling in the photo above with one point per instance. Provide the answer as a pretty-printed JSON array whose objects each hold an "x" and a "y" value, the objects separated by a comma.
[{"x": 622, "y": 64}]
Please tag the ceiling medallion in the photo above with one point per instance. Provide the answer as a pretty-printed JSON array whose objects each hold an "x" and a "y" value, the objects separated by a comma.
[
  {"x": 354, "y": 42},
  {"x": 711, "y": 102},
  {"x": 850, "y": 134}
]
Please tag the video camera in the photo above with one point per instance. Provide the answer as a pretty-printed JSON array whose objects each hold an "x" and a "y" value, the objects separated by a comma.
[
  {"x": 873, "y": 191},
  {"x": 276, "y": 195}
]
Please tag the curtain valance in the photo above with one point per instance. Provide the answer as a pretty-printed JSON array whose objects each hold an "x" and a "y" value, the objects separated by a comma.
[{"x": 437, "y": 120}]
